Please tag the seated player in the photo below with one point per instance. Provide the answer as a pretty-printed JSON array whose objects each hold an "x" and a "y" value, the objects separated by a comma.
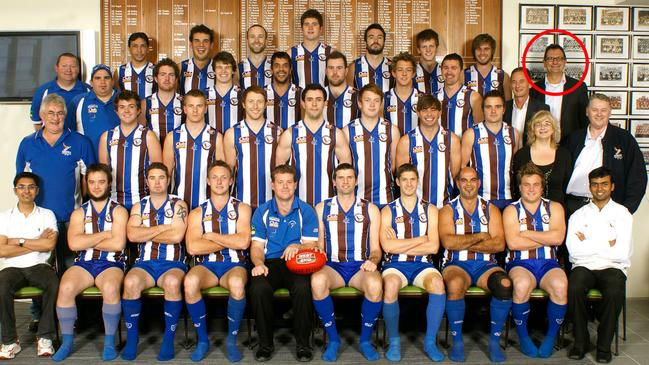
[
  {"x": 471, "y": 230},
  {"x": 534, "y": 227},
  {"x": 97, "y": 233},
  {"x": 409, "y": 239},
  {"x": 157, "y": 224},
  {"x": 218, "y": 235},
  {"x": 349, "y": 235}
]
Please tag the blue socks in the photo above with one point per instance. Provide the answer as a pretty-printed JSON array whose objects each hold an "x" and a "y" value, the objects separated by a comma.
[
  {"x": 556, "y": 313},
  {"x": 499, "y": 311},
  {"x": 111, "y": 314},
  {"x": 198, "y": 314},
  {"x": 434, "y": 313},
  {"x": 520, "y": 313},
  {"x": 67, "y": 316},
  {"x": 455, "y": 315},
  {"x": 65, "y": 349},
  {"x": 172, "y": 314},
  {"x": 391, "y": 318},
  {"x": 131, "y": 309},
  {"x": 325, "y": 310},
  {"x": 369, "y": 314},
  {"x": 235, "y": 313}
]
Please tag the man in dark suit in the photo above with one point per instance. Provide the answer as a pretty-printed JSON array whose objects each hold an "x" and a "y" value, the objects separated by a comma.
[
  {"x": 569, "y": 109},
  {"x": 520, "y": 110}
]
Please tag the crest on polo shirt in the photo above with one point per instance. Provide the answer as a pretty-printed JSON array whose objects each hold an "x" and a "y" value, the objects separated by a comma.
[
  {"x": 66, "y": 150},
  {"x": 92, "y": 108}
]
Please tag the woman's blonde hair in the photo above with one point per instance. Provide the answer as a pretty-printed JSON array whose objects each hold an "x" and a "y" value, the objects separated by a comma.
[{"x": 537, "y": 118}]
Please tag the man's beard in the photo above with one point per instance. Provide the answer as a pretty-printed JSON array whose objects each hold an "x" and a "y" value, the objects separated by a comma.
[
  {"x": 374, "y": 51},
  {"x": 99, "y": 198}
]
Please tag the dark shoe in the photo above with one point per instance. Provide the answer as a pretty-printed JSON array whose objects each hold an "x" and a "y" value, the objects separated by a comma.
[
  {"x": 304, "y": 354},
  {"x": 33, "y": 326},
  {"x": 264, "y": 354},
  {"x": 576, "y": 354},
  {"x": 604, "y": 357}
]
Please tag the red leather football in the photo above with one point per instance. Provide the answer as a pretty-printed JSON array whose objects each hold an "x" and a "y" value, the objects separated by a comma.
[{"x": 306, "y": 261}]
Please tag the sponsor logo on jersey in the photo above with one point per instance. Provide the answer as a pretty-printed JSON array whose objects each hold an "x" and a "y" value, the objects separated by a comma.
[
  {"x": 207, "y": 218},
  {"x": 148, "y": 79},
  {"x": 273, "y": 222},
  {"x": 495, "y": 84},
  {"x": 386, "y": 74},
  {"x": 108, "y": 218},
  {"x": 399, "y": 219},
  {"x": 483, "y": 140},
  {"x": 180, "y": 145},
  {"x": 459, "y": 222},
  {"x": 244, "y": 139},
  {"x": 418, "y": 149},
  {"x": 113, "y": 142},
  {"x": 92, "y": 108},
  {"x": 363, "y": 74},
  {"x": 332, "y": 217},
  {"x": 210, "y": 75},
  {"x": 66, "y": 150},
  {"x": 300, "y": 140},
  {"x": 359, "y": 138},
  {"x": 299, "y": 58},
  {"x": 347, "y": 103},
  {"x": 268, "y": 73},
  {"x": 441, "y": 147},
  {"x": 391, "y": 108}
]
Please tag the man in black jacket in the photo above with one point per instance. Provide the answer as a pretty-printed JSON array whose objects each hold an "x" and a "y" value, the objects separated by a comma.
[{"x": 520, "y": 110}]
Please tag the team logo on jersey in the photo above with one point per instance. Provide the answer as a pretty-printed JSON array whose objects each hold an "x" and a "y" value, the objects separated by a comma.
[
  {"x": 207, "y": 218},
  {"x": 399, "y": 219},
  {"x": 618, "y": 153},
  {"x": 441, "y": 147},
  {"x": 383, "y": 137},
  {"x": 153, "y": 111},
  {"x": 471, "y": 83},
  {"x": 113, "y": 142},
  {"x": 268, "y": 73},
  {"x": 326, "y": 140},
  {"x": 347, "y": 103},
  {"x": 332, "y": 217},
  {"x": 522, "y": 221},
  {"x": 460, "y": 103},
  {"x": 273, "y": 222},
  {"x": 206, "y": 145},
  {"x": 359, "y": 218},
  {"x": 178, "y": 111},
  {"x": 188, "y": 74},
  {"x": 322, "y": 57},
  {"x": 414, "y": 108},
  {"x": 137, "y": 142},
  {"x": 459, "y": 222},
  {"x": 149, "y": 79},
  {"x": 245, "y": 74},
  {"x": 299, "y": 58},
  {"x": 291, "y": 102},
  {"x": 210, "y": 75},
  {"x": 418, "y": 149},
  {"x": 180, "y": 145},
  {"x": 507, "y": 140},
  {"x": 66, "y": 150},
  {"x": 545, "y": 218},
  {"x": 359, "y": 138},
  {"x": 363, "y": 74},
  {"x": 391, "y": 108},
  {"x": 233, "y": 215},
  {"x": 169, "y": 213},
  {"x": 483, "y": 220},
  {"x": 420, "y": 79},
  {"x": 234, "y": 101},
  {"x": 423, "y": 218},
  {"x": 495, "y": 84},
  {"x": 386, "y": 74},
  {"x": 300, "y": 140},
  {"x": 440, "y": 78},
  {"x": 269, "y": 139},
  {"x": 92, "y": 108},
  {"x": 108, "y": 218},
  {"x": 483, "y": 140},
  {"x": 244, "y": 139}
]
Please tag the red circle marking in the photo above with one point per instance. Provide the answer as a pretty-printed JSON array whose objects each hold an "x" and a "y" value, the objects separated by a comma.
[{"x": 529, "y": 79}]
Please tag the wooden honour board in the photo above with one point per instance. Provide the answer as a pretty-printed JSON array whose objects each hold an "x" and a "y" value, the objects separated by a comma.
[{"x": 167, "y": 23}]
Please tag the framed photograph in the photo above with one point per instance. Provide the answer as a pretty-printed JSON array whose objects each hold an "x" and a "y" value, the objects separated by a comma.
[
  {"x": 573, "y": 49},
  {"x": 611, "y": 74},
  {"x": 537, "y": 49},
  {"x": 620, "y": 123},
  {"x": 575, "y": 70},
  {"x": 575, "y": 17},
  {"x": 641, "y": 19},
  {"x": 612, "y": 18},
  {"x": 612, "y": 46},
  {"x": 619, "y": 101},
  {"x": 536, "y": 70},
  {"x": 640, "y": 75},
  {"x": 640, "y": 103},
  {"x": 640, "y": 130},
  {"x": 641, "y": 47},
  {"x": 645, "y": 154},
  {"x": 537, "y": 17}
]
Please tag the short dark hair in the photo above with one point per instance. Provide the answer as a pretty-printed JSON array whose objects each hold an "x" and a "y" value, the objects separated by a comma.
[
  {"x": 481, "y": 39},
  {"x": 370, "y": 88},
  {"x": 283, "y": 169},
  {"x": 426, "y": 101},
  {"x": 454, "y": 57},
  {"x": 493, "y": 94},
  {"x": 403, "y": 56},
  {"x": 219, "y": 163},
  {"x": 68, "y": 54},
  {"x": 166, "y": 62},
  {"x": 426, "y": 35},
  {"x": 519, "y": 69},
  {"x": 27, "y": 175},
  {"x": 257, "y": 25},
  {"x": 530, "y": 169},
  {"x": 336, "y": 55},
  {"x": 100, "y": 167},
  {"x": 201, "y": 28},
  {"x": 373, "y": 26},
  {"x": 157, "y": 166},
  {"x": 138, "y": 35},
  {"x": 312, "y": 13},
  {"x": 599, "y": 173},
  {"x": 345, "y": 166},
  {"x": 254, "y": 89},
  {"x": 127, "y": 95},
  {"x": 281, "y": 55},
  {"x": 552, "y": 47},
  {"x": 227, "y": 58},
  {"x": 197, "y": 93},
  {"x": 311, "y": 87},
  {"x": 405, "y": 168}
]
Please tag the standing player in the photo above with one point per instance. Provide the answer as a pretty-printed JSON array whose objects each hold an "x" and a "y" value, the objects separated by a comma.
[
  {"x": 461, "y": 107},
  {"x": 223, "y": 99},
  {"x": 249, "y": 149},
  {"x": 313, "y": 146},
  {"x": 484, "y": 76},
  {"x": 471, "y": 231},
  {"x": 128, "y": 149},
  {"x": 373, "y": 67},
  {"x": 163, "y": 111},
  {"x": 342, "y": 104},
  {"x": 489, "y": 147},
  {"x": 349, "y": 236},
  {"x": 218, "y": 234},
  {"x": 137, "y": 75},
  {"x": 308, "y": 58},
  {"x": 429, "y": 77},
  {"x": 190, "y": 149},
  {"x": 409, "y": 239},
  {"x": 401, "y": 100},
  {"x": 157, "y": 224},
  {"x": 255, "y": 69},
  {"x": 373, "y": 144},
  {"x": 433, "y": 150},
  {"x": 282, "y": 97},
  {"x": 98, "y": 234},
  {"x": 198, "y": 72}
]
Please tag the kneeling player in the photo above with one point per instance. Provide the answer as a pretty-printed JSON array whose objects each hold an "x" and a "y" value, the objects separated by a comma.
[
  {"x": 98, "y": 233},
  {"x": 349, "y": 235},
  {"x": 158, "y": 224},
  {"x": 218, "y": 234},
  {"x": 534, "y": 227},
  {"x": 409, "y": 239}
]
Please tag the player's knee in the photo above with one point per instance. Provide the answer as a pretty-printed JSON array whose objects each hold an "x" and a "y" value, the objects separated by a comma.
[
  {"x": 559, "y": 291},
  {"x": 500, "y": 285},
  {"x": 133, "y": 286},
  {"x": 391, "y": 287},
  {"x": 319, "y": 284},
  {"x": 67, "y": 290},
  {"x": 191, "y": 284},
  {"x": 455, "y": 285},
  {"x": 236, "y": 285},
  {"x": 434, "y": 284},
  {"x": 110, "y": 292},
  {"x": 171, "y": 283},
  {"x": 522, "y": 287},
  {"x": 373, "y": 288}
]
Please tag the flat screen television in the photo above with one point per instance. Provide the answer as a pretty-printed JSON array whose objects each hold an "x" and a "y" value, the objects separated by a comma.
[{"x": 27, "y": 60}]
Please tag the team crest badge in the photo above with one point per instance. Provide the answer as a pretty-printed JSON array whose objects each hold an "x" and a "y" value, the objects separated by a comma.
[
  {"x": 347, "y": 103},
  {"x": 386, "y": 74},
  {"x": 108, "y": 218},
  {"x": 206, "y": 145},
  {"x": 441, "y": 147},
  {"x": 66, "y": 150},
  {"x": 495, "y": 84},
  {"x": 507, "y": 140},
  {"x": 169, "y": 213},
  {"x": 322, "y": 57},
  {"x": 383, "y": 137},
  {"x": 483, "y": 220},
  {"x": 210, "y": 75},
  {"x": 232, "y": 215},
  {"x": 269, "y": 139},
  {"x": 92, "y": 108},
  {"x": 178, "y": 111},
  {"x": 137, "y": 141},
  {"x": 460, "y": 103},
  {"x": 326, "y": 140},
  {"x": 545, "y": 218},
  {"x": 440, "y": 78},
  {"x": 359, "y": 218},
  {"x": 149, "y": 79},
  {"x": 268, "y": 73},
  {"x": 234, "y": 101},
  {"x": 423, "y": 218},
  {"x": 291, "y": 102}
]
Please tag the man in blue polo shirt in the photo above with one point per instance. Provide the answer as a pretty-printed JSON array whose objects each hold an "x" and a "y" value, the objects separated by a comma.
[
  {"x": 66, "y": 84},
  {"x": 280, "y": 227},
  {"x": 93, "y": 113}
]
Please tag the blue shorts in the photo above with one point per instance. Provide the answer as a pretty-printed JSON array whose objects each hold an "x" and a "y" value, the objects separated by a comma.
[
  {"x": 501, "y": 203},
  {"x": 157, "y": 268},
  {"x": 474, "y": 268},
  {"x": 96, "y": 267},
  {"x": 538, "y": 267},
  {"x": 346, "y": 269},
  {"x": 409, "y": 270},
  {"x": 221, "y": 268}
]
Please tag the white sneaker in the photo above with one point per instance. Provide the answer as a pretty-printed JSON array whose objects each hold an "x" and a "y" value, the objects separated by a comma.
[
  {"x": 44, "y": 347},
  {"x": 9, "y": 351}
]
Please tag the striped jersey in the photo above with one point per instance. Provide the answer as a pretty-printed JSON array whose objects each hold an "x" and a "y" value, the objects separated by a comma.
[
  {"x": 314, "y": 155},
  {"x": 223, "y": 222},
  {"x": 466, "y": 223},
  {"x": 192, "y": 156},
  {"x": 365, "y": 74},
  {"x": 163, "y": 119},
  {"x": 151, "y": 217},
  {"x": 433, "y": 161},
  {"x": 192, "y": 77},
  {"x": 283, "y": 110},
  {"x": 309, "y": 67},
  {"x": 347, "y": 233},
  {"x": 95, "y": 222},
  {"x": 250, "y": 75},
  {"x": 255, "y": 161},
  {"x": 457, "y": 114},
  {"x": 533, "y": 221},
  {"x": 408, "y": 224},
  {"x": 128, "y": 157},
  {"x": 495, "y": 80},
  {"x": 492, "y": 157},
  {"x": 402, "y": 113},
  {"x": 142, "y": 83},
  {"x": 372, "y": 160},
  {"x": 224, "y": 111},
  {"x": 342, "y": 109},
  {"x": 429, "y": 82}
]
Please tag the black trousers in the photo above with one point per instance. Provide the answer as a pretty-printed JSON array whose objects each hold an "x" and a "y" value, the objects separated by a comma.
[
  {"x": 260, "y": 292},
  {"x": 612, "y": 284},
  {"x": 41, "y": 276}
]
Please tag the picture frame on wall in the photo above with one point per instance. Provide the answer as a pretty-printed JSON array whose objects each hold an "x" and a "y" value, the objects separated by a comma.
[
  {"x": 640, "y": 76},
  {"x": 536, "y": 70},
  {"x": 641, "y": 19},
  {"x": 640, "y": 103},
  {"x": 611, "y": 18},
  {"x": 641, "y": 47},
  {"x": 620, "y": 123},
  {"x": 612, "y": 46},
  {"x": 537, "y": 17},
  {"x": 640, "y": 130},
  {"x": 576, "y": 70},
  {"x": 575, "y": 17},
  {"x": 645, "y": 154},
  {"x": 537, "y": 49},
  {"x": 611, "y": 74},
  {"x": 619, "y": 101},
  {"x": 573, "y": 49}
]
